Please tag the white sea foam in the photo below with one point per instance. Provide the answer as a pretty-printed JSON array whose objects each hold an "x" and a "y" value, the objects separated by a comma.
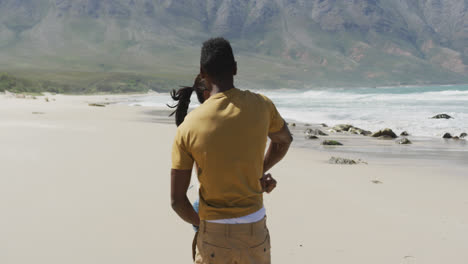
[
  {"x": 399, "y": 108},
  {"x": 374, "y": 109}
]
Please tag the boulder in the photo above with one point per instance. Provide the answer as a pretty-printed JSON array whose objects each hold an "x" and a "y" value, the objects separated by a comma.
[
  {"x": 456, "y": 138},
  {"x": 342, "y": 127},
  {"x": 324, "y": 125},
  {"x": 331, "y": 143},
  {"x": 463, "y": 135},
  {"x": 315, "y": 132},
  {"x": 404, "y": 141},
  {"x": 359, "y": 131},
  {"x": 353, "y": 130},
  {"x": 447, "y": 135},
  {"x": 385, "y": 133},
  {"x": 441, "y": 116},
  {"x": 404, "y": 134},
  {"x": 292, "y": 124}
]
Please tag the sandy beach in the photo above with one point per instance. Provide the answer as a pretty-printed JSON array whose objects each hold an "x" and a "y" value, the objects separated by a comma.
[{"x": 86, "y": 184}]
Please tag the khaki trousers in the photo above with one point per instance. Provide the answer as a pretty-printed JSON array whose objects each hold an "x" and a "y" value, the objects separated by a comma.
[{"x": 233, "y": 244}]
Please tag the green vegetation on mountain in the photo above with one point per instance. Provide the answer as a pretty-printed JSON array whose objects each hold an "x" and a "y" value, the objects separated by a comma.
[
  {"x": 84, "y": 82},
  {"x": 89, "y": 46}
]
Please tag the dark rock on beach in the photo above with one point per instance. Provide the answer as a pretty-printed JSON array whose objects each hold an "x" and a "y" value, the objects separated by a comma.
[
  {"x": 315, "y": 132},
  {"x": 351, "y": 129},
  {"x": 337, "y": 160},
  {"x": 331, "y": 143},
  {"x": 97, "y": 105},
  {"x": 447, "y": 135},
  {"x": 456, "y": 138},
  {"x": 404, "y": 141},
  {"x": 385, "y": 133},
  {"x": 442, "y": 116},
  {"x": 463, "y": 135},
  {"x": 342, "y": 128},
  {"x": 404, "y": 134},
  {"x": 359, "y": 131}
]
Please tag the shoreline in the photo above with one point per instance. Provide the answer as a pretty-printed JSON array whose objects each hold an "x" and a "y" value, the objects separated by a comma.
[
  {"x": 424, "y": 149},
  {"x": 401, "y": 109},
  {"x": 440, "y": 152}
]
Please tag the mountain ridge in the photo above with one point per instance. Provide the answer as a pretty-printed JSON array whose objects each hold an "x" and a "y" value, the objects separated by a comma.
[{"x": 280, "y": 43}]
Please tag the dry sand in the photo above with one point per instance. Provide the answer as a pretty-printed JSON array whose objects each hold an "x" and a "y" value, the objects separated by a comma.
[{"x": 81, "y": 184}]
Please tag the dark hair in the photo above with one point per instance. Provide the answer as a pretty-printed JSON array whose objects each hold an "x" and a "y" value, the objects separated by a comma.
[
  {"x": 183, "y": 97},
  {"x": 217, "y": 58}
]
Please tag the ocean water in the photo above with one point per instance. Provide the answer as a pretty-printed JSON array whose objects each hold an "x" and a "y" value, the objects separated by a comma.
[{"x": 398, "y": 108}]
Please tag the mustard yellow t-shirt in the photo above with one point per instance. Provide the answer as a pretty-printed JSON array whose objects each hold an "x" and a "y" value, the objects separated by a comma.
[{"x": 226, "y": 136}]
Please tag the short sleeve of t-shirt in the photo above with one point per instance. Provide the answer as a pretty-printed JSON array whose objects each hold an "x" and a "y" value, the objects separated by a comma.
[
  {"x": 181, "y": 157},
  {"x": 276, "y": 122}
]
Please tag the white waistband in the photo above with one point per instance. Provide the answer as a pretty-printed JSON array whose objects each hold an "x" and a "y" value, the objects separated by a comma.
[{"x": 251, "y": 218}]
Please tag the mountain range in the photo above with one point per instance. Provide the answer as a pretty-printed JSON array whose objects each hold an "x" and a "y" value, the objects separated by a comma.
[{"x": 278, "y": 43}]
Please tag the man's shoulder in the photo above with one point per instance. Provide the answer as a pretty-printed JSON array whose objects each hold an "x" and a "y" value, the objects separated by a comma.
[
  {"x": 256, "y": 96},
  {"x": 194, "y": 116}
]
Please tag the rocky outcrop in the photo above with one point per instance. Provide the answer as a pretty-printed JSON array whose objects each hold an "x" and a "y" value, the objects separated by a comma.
[
  {"x": 342, "y": 128},
  {"x": 350, "y": 129},
  {"x": 359, "y": 131},
  {"x": 442, "y": 116},
  {"x": 449, "y": 136},
  {"x": 404, "y": 134},
  {"x": 385, "y": 133}
]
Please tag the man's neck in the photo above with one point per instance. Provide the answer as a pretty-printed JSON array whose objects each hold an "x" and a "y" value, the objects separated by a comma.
[{"x": 221, "y": 86}]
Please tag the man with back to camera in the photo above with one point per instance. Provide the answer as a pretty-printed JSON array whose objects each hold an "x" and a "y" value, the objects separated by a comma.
[{"x": 226, "y": 136}]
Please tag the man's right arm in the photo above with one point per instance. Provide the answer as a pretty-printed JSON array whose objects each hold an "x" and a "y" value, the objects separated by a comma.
[
  {"x": 180, "y": 180},
  {"x": 279, "y": 146}
]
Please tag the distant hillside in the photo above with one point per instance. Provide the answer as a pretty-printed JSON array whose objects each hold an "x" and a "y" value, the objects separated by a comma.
[{"x": 279, "y": 43}]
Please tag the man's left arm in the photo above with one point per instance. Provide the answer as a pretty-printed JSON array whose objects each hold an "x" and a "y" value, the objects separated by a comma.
[{"x": 180, "y": 181}]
